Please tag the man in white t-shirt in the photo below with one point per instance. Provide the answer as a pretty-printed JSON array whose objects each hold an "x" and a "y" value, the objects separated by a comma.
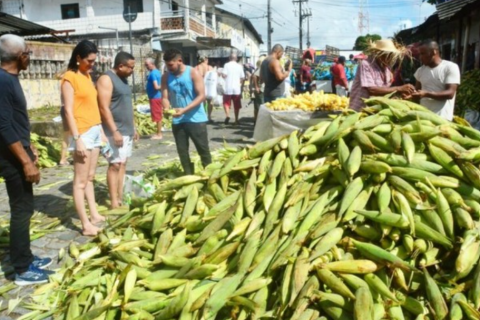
[
  {"x": 234, "y": 75},
  {"x": 437, "y": 81}
]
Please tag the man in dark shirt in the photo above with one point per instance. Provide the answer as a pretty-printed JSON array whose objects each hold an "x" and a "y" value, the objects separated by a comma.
[
  {"x": 18, "y": 161},
  {"x": 273, "y": 75}
]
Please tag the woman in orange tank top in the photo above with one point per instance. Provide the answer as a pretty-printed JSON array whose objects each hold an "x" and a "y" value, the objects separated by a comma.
[{"x": 83, "y": 117}]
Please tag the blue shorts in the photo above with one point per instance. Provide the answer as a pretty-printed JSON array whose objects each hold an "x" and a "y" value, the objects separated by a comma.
[{"x": 91, "y": 139}]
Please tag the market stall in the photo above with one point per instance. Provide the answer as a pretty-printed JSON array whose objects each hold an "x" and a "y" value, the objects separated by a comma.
[{"x": 296, "y": 113}]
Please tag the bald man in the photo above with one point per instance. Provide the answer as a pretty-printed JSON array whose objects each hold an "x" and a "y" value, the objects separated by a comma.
[
  {"x": 273, "y": 74},
  {"x": 18, "y": 159},
  {"x": 437, "y": 81}
]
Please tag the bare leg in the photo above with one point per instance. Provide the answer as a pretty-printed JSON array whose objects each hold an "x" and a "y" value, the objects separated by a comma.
[
  {"x": 227, "y": 110},
  {"x": 80, "y": 181},
  {"x": 95, "y": 217},
  {"x": 112, "y": 181},
  {"x": 121, "y": 178},
  {"x": 159, "y": 134},
  {"x": 210, "y": 109},
  {"x": 64, "y": 153},
  {"x": 226, "y": 105},
  {"x": 237, "y": 112}
]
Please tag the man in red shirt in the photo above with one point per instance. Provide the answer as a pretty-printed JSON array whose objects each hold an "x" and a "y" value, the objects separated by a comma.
[
  {"x": 335, "y": 61},
  {"x": 338, "y": 73}
]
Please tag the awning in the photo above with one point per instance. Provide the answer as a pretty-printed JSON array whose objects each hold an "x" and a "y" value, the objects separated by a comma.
[
  {"x": 214, "y": 42},
  {"x": 448, "y": 9},
  {"x": 21, "y": 27}
]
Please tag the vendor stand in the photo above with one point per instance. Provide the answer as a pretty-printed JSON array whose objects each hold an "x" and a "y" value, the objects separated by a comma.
[{"x": 286, "y": 115}]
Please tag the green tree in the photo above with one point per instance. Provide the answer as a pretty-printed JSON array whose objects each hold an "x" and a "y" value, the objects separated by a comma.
[{"x": 361, "y": 44}]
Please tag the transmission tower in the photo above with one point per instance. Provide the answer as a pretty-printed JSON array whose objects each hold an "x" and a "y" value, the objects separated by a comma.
[{"x": 363, "y": 17}]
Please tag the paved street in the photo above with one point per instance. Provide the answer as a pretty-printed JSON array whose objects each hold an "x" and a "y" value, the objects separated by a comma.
[{"x": 53, "y": 194}]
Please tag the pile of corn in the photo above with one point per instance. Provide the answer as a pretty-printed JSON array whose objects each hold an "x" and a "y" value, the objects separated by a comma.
[
  {"x": 48, "y": 150},
  {"x": 373, "y": 215},
  {"x": 310, "y": 102},
  {"x": 143, "y": 122}
]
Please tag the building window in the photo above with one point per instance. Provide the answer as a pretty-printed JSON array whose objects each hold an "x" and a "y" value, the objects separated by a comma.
[
  {"x": 70, "y": 11},
  {"x": 174, "y": 6},
  {"x": 135, "y": 5}
]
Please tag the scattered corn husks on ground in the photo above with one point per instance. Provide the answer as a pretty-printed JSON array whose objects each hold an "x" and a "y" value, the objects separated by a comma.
[
  {"x": 373, "y": 215},
  {"x": 48, "y": 150},
  {"x": 143, "y": 122},
  {"x": 318, "y": 100}
]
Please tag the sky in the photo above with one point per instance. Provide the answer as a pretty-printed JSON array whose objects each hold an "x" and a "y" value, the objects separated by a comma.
[{"x": 333, "y": 22}]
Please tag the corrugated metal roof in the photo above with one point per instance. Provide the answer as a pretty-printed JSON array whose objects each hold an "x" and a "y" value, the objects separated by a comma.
[
  {"x": 448, "y": 9},
  {"x": 21, "y": 27}
]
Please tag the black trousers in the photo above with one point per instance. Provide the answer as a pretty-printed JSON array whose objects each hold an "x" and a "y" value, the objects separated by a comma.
[
  {"x": 20, "y": 195},
  {"x": 183, "y": 132}
]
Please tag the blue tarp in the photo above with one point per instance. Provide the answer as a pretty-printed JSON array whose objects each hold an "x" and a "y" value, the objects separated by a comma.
[{"x": 322, "y": 71}]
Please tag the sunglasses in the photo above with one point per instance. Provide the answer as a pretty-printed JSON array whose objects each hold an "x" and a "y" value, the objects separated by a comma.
[{"x": 27, "y": 53}]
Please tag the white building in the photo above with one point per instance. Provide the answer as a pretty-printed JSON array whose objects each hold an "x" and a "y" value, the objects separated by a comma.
[
  {"x": 160, "y": 23},
  {"x": 241, "y": 37}
]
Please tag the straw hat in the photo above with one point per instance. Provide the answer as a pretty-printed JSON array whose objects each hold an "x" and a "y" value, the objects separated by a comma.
[{"x": 392, "y": 52}]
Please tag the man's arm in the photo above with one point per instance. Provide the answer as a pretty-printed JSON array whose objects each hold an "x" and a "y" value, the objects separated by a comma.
[
  {"x": 406, "y": 89},
  {"x": 12, "y": 140},
  {"x": 224, "y": 71},
  {"x": 165, "y": 101},
  {"x": 104, "y": 97},
  {"x": 157, "y": 79},
  {"x": 276, "y": 69},
  {"x": 256, "y": 83},
  {"x": 199, "y": 88},
  {"x": 447, "y": 94},
  {"x": 343, "y": 76},
  {"x": 366, "y": 82}
]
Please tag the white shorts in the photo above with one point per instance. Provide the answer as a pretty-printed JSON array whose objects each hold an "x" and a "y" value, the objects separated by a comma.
[
  {"x": 91, "y": 139},
  {"x": 120, "y": 155}
]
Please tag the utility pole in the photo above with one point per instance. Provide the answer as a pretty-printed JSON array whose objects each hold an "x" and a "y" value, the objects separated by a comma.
[
  {"x": 307, "y": 15},
  {"x": 301, "y": 16},
  {"x": 130, "y": 17},
  {"x": 270, "y": 30}
]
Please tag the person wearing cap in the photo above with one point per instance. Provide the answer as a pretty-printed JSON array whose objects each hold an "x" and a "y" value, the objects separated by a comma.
[
  {"x": 437, "y": 81},
  {"x": 374, "y": 76}
]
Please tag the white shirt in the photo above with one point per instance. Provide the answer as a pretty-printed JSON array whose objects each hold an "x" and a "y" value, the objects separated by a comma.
[
  {"x": 234, "y": 74},
  {"x": 434, "y": 80}
]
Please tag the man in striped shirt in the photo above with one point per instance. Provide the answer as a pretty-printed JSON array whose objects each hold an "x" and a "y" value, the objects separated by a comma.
[{"x": 374, "y": 77}]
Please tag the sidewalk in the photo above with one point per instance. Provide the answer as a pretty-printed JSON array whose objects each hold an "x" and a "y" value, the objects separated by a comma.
[{"x": 53, "y": 194}]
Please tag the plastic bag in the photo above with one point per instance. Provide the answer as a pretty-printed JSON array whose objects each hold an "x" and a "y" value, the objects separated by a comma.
[
  {"x": 143, "y": 108},
  {"x": 135, "y": 186},
  {"x": 218, "y": 100}
]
